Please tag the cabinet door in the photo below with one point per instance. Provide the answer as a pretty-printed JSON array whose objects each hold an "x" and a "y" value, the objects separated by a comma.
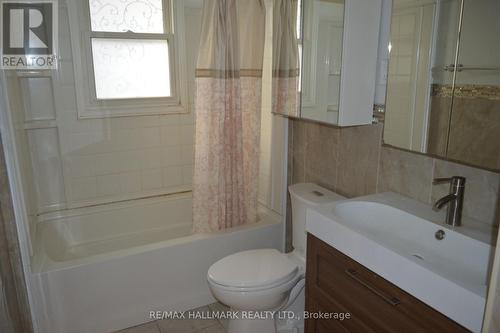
[
  {"x": 320, "y": 44},
  {"x": 337, "y": 43},
  {"x": 336, "y": 283},
  {"x": 359, "y": 62},
  {"x": 324, "y": 305}
]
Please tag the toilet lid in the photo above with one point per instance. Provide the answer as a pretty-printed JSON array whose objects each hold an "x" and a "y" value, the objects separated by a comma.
[{"x": 254, "y": 268}]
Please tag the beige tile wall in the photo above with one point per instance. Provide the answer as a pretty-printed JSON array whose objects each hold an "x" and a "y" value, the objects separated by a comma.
[
  {"x": 475, "y": 124},
  {"x": 405, "y": 173},
  {"x": 341, "y": 159},
  {"x": 352, "y": 162}
]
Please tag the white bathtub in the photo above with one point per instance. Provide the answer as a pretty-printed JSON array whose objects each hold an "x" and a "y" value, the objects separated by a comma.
[{"x": 105, "y": 268}]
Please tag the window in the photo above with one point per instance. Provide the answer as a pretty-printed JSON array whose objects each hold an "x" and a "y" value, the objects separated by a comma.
[{"x": 132, "y": 55}]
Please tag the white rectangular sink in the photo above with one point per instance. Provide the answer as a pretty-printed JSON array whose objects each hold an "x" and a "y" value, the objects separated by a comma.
[{"x": 394, "y": 236}]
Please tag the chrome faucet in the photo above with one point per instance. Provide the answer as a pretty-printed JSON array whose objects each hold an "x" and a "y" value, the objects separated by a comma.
[{"x": 454, "y": 200}]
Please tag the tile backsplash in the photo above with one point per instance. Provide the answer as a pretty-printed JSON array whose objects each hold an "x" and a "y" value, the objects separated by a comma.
[
  {"x": 475, "y": 120},
  {"x": 353, "y": 162}
]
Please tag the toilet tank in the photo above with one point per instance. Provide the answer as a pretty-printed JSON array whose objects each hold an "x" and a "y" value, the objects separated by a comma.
[{"x": 302, "y": 196}]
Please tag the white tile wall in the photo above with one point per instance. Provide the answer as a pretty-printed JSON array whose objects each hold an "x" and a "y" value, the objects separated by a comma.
[
  {"x": 108, "y": 159},
  {"x": 37, "y": 105},
  {"x": 87, "y": 188},
  {"x": 151, "y": 179},
  {"x": 172, "y": 176},
  {"x": 170, "y": 135},
  {"x": 22, "y": 145},
  {"x": 109, "y": 185},
  {"x": 46, "y": 164},
  {"x": 187, "y": 175},
  {"x": 171, "y": 156}
]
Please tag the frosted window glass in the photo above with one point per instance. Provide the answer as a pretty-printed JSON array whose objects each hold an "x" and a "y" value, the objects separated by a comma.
[
  {"x": 130, "y": 68},
  {"x": 144, "y": 16}
]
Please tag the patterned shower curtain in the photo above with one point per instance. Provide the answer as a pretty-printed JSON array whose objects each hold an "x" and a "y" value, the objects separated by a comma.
[
  {"x": 285, "y": 58},
  {"x": 227, "y": 106}
]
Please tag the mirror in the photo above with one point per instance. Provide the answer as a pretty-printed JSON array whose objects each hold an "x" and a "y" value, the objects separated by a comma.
[
  {"x": 443, "y": 84},
  {"x": 320, "y": 51}
]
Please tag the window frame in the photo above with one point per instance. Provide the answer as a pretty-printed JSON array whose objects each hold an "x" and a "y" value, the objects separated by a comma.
[{"x": 88, "y": 105}]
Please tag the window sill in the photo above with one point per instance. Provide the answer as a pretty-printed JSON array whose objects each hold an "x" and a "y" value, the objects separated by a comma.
[{"x": 137, "y": 110}]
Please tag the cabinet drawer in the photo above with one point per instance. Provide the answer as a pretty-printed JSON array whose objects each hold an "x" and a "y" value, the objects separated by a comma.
[
  {"x": 337, "y": 280},
  {"x": 353, "y": 324}
]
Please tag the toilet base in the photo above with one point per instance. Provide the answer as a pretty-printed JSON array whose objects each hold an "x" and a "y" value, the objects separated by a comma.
[
  {"x": 273, "y": 325},
  {"x": 294, "y": 324}
]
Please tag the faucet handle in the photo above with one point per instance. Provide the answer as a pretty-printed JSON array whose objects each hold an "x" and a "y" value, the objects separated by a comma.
[{"x": 455, "y": 181}]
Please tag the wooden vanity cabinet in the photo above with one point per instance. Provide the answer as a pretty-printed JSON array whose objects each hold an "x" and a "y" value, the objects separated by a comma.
[{"x": 336, "y": 283}]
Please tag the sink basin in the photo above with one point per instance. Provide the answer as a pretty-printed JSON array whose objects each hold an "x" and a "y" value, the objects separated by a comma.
[
  {"x": 456, "y": 256},
  {"x": 396, "y": 238}
]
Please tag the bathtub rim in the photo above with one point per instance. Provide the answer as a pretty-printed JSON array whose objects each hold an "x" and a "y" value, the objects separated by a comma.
[
  {"x": 105, "y": 207},
  {"x": 42, "y": 263}
]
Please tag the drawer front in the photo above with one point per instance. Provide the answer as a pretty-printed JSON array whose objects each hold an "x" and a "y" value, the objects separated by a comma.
[
  {"x": 336, "y": 281},
  {"x": 324, "y": 305}
]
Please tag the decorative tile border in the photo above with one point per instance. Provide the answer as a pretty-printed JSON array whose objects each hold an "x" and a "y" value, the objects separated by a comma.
[{"x": 467, "y": 91}]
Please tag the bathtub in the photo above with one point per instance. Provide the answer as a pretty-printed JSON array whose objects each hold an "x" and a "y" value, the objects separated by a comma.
[{"x": 104, "y": 268}]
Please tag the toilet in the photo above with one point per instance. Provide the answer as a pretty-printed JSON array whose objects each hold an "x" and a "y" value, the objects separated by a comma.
[{"x": 264, "y": 286}]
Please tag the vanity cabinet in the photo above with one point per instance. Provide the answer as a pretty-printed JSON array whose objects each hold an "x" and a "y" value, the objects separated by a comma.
[{"x": 336, "y": 283}]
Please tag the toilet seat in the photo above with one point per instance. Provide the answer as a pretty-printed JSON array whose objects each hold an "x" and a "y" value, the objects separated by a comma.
[{"x": 253, "y": 270}]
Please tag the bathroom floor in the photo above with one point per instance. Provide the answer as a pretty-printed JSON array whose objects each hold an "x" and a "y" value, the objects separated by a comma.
[{"x": 184, "y": 325}]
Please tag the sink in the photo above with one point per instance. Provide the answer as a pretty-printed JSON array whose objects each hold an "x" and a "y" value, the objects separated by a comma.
[
  {"x": 395, "y": 237},
  {"x": 456, "y": 256}
]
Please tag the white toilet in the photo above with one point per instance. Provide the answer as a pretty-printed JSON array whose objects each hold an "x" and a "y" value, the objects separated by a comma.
[{"x": 258, "y": 283}]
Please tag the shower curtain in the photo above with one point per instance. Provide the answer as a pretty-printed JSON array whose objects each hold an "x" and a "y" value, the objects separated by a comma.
[
  {"x": 227, "y": 107},
  {"x": 285, "y": 58}
]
